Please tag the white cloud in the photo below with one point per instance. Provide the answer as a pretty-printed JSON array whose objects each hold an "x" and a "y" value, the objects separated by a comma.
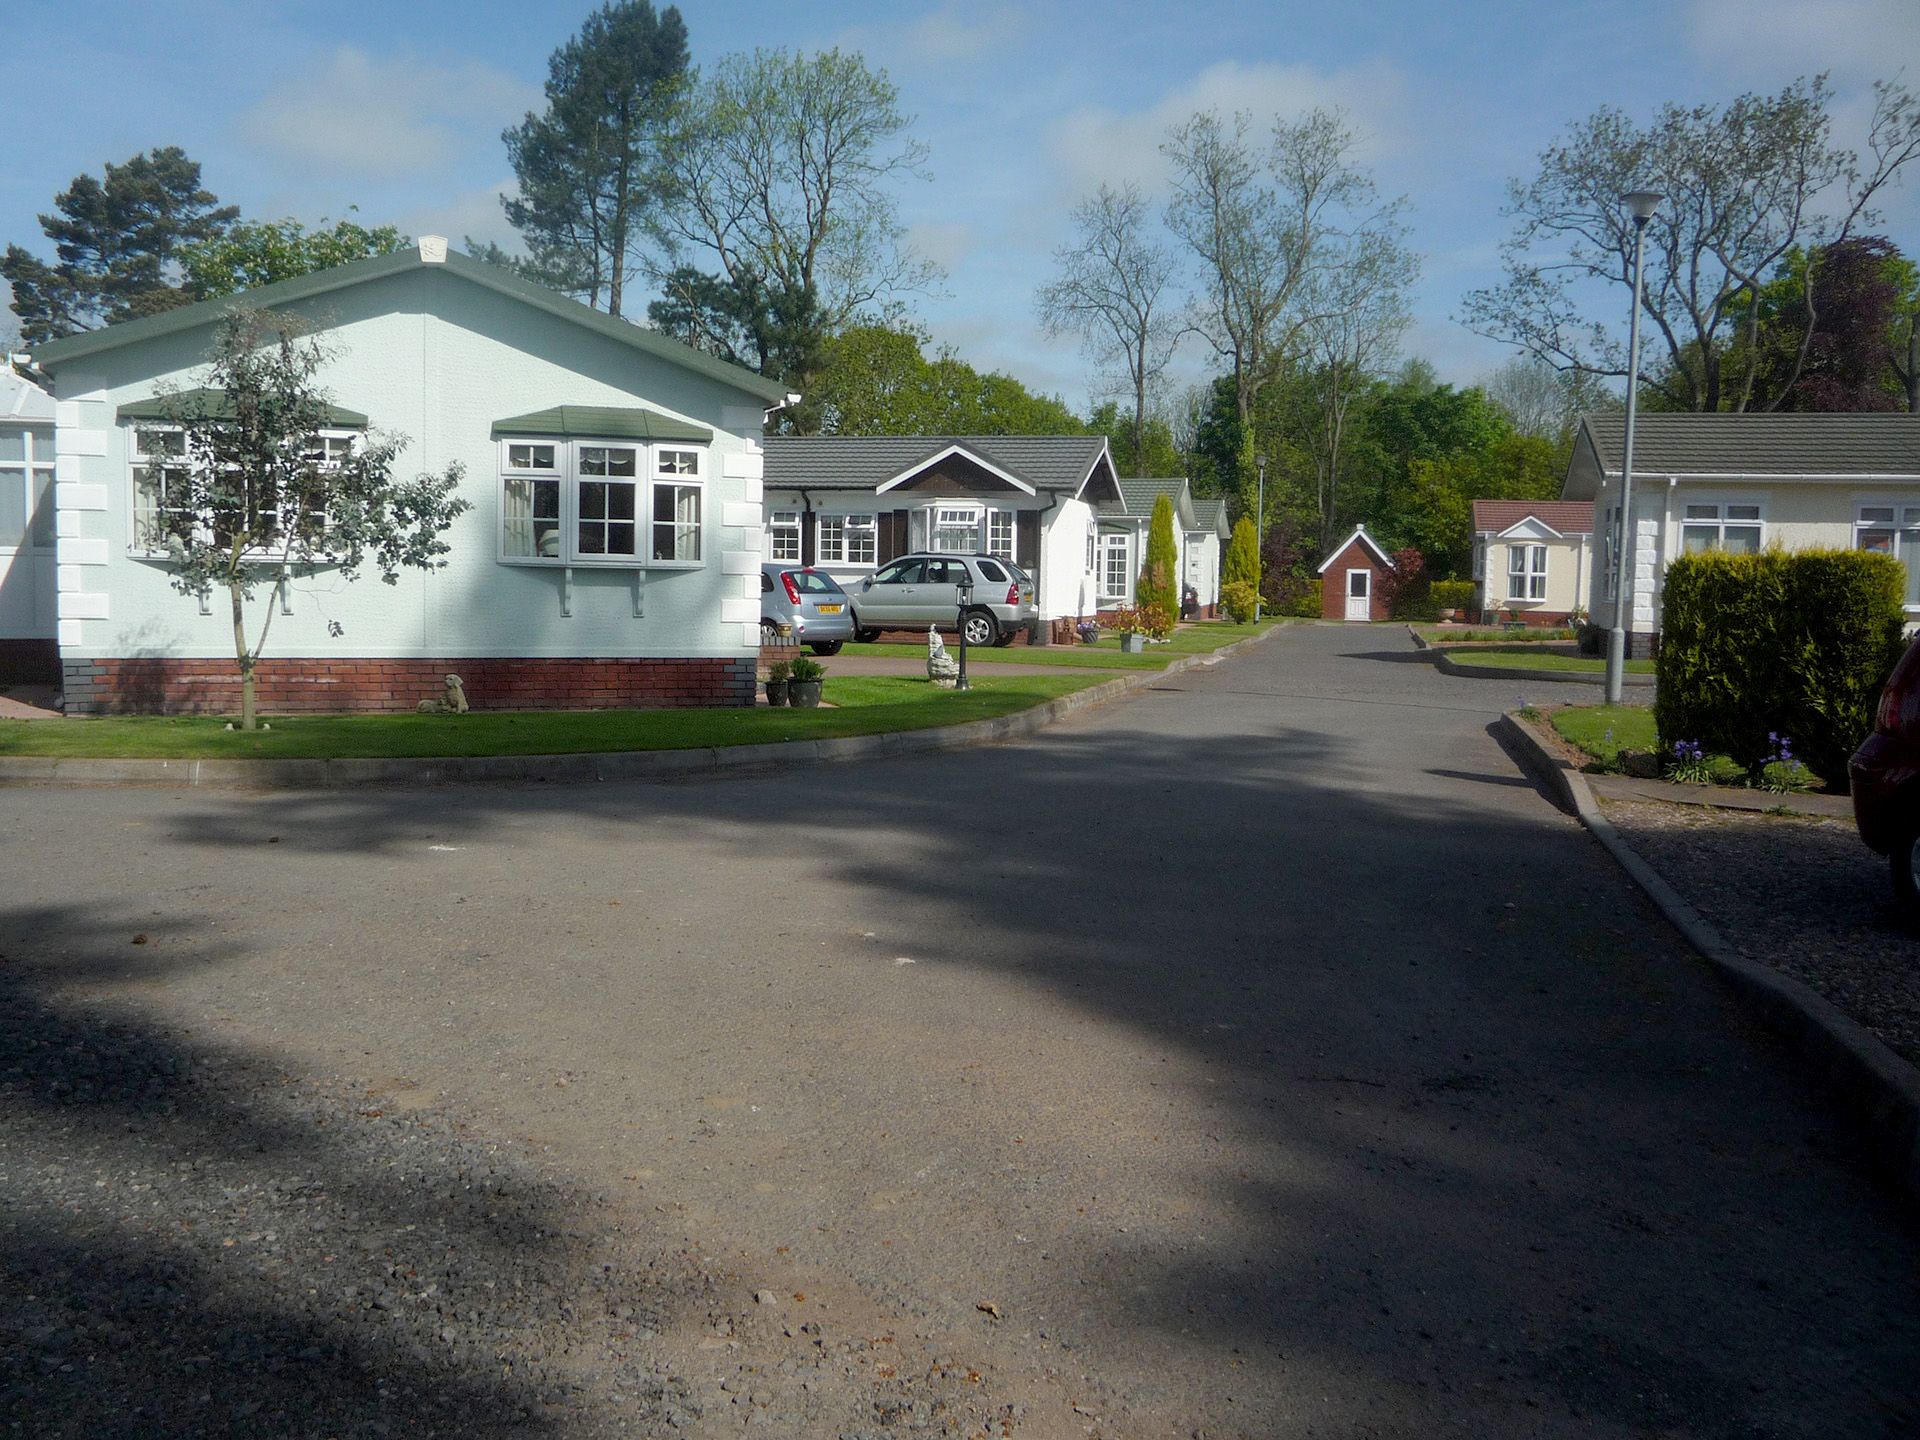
[
  {"x": 1854, "y": 38},
  {"x": 1095, "y": 144},
  {"x": 379, "y": 118},
  {"x": 945, "y": 242},
  {"x": 949, "y": 35}
]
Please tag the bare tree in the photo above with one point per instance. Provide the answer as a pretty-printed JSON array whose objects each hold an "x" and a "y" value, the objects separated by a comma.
[
  {"x": 1543, "y": 402},
  {"x": 1112, "y": 275},
  {"x": 1745, "y": 185},
  {"x": 1185, "y": 417},
  {"x": 1356, "y": 311}
]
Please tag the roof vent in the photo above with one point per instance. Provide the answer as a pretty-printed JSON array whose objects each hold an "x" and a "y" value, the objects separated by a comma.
[{"x": 433, "y": 249}]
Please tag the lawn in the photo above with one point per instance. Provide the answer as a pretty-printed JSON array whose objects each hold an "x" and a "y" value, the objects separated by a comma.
[
  {"x": 1603, "y": 731},
  {"x": 1520, "y": 635},
  {"x": 1523, "y": 658},
  {"x": 1199, "y": 638},
  {"x": 864, "y": 705}
]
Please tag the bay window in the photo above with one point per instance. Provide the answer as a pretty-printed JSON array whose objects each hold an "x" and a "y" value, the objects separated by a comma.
[
  {"x": 26, "y": 489},
  {"x": 1526, "y": 572},
  {"x": 956, "y": 529},
  {"x": 164, "y": 506},
  {"x": 1892, "y": 530},
  {"x": 591, "y": 502}
]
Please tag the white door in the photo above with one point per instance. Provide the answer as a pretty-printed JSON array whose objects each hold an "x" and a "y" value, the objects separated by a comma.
[{"x": 1359, "y": 595}]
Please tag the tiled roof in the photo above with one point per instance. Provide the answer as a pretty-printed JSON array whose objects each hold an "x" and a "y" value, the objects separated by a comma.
[
  {"x": 865, "y": 462},
  {"x": 1140, "y": 494},
  {"x": 1211, "y": 514},
  {"x": 1568, "y": 517},
  {"x": 1837, "y": 445}
]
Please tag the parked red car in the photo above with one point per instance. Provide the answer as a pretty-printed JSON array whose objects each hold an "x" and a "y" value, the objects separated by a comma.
[{"x": 1884, "y": 775}]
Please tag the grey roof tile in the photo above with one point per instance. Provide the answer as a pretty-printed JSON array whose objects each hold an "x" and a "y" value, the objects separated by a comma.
[
  {"x": 1838, "y": 445},
  {"x": 864, "y": 462}
]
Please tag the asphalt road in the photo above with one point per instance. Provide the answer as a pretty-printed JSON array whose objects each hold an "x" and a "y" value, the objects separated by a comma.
[{"x": 1263, "y": 1049}]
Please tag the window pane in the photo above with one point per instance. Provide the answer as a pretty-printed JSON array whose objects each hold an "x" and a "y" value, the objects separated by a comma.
[
  {"x": 830, "y": 534},
  {"x": 1700, "y": 537},
  {"x": 43, "y": 509},
  {"x": 13, "y": 508},
  {"x": 1876, "y": 515},
  {"x": 1742, "y": 539},
  {"x": 1516, "y": 559},
  {"x": 676, "y": 522},
  {"x": 13, "y": 446},
  {"x": 1703, "y": 512},
  {"x": 531, "y": 457},
  {"x": 679, "y": 462},
  {"x": 1878, "y": 541},
  {"x": 1743, "y": 512},
  {"x": 1910, "y": 557}
]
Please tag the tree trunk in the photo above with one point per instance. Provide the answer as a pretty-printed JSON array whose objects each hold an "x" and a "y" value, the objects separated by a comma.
[{"x": 243, "y": 657}]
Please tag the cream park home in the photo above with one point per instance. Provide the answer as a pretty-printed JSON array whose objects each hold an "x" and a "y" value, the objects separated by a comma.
[
  {"x": 611, "y": 555},
  {"x": 1743, "y": 482}
]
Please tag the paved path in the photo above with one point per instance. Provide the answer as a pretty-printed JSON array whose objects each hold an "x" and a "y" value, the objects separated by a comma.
[{"x": 1263, "y": 1048}]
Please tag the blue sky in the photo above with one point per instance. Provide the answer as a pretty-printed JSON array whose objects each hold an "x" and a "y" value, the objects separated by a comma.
[{"x": 305, "y": 108}]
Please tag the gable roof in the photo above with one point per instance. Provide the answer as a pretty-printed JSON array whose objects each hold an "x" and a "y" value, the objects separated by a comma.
[
  {"x": 21, "y": 399},
  {"x": 1564, "y": 517},
  {"x": 1360, "y": 534},
  {"x": 1059, "y": 463},
  {"x": 1140, "y": 494},
  {"x": 1212, "y": 515},
  {"x": 359, "y": 272},
  {"x": 1825, "y": 446}
]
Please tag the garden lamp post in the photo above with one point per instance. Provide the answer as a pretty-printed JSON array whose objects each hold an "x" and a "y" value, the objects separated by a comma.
[
  {"x": 966, "y": 599},
  {"x": 1641, "y": 204},
  {"x": 1259, "y": 535}
]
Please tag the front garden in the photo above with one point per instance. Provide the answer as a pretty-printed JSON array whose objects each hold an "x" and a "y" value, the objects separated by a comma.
[
  {"x": 855, "y": 705},
  {"x": 1196, "y": 637}
]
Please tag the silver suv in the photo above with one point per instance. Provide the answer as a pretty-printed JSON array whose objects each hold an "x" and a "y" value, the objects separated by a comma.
[{"x": 919, "y": 590}]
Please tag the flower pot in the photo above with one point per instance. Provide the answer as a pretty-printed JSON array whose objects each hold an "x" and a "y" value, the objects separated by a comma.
[
  {"x": 776, "y": 692},
  {"x": 804, "y": 694},
  {"x": 1133, "y": 643}
]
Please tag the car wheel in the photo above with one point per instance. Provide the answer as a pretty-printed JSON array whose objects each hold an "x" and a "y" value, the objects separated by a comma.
[
  {"x": 769, "y": 632},
  {"x": 1903, "y": 860},
  {"x": 863, "y": 634},
  {"x": 981, "y": 628},
  {"x": 826, "y": 647}
]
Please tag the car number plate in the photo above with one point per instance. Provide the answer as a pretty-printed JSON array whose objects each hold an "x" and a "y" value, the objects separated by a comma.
[{"x": 829, "y": 609}]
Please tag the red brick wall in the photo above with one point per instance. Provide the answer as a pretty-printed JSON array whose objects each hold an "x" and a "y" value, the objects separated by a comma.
[
  {"x": 1333, "y": 588},
  {"x": 313, "y": 686}
]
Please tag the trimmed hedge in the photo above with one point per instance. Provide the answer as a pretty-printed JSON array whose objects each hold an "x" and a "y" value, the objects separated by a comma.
[
  {"x": 1453, "y": 594},
  {"x": 1780, "y": 643}
]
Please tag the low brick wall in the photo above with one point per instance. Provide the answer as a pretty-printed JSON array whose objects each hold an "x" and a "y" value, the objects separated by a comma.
[{"x": 312, "y": 686}]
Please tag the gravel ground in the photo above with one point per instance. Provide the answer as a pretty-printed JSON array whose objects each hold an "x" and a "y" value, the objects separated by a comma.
[
  {"x": 1799, "y": 894},
  {"x": 192, "y": 1244}
]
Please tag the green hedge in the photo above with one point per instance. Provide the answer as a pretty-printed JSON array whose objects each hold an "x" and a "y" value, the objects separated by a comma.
[
  {"x": 1453, "y": 594},
  {"x": 1306, "y": 604},
  {"x": 1793, "y": 643}
]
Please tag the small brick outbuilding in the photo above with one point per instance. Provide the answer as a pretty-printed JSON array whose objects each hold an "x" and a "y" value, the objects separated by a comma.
[{"x": 1350, "y": 579}]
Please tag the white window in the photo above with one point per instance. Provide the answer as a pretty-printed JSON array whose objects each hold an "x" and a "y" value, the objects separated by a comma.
[
  {"x": 847, "y": 539},
  {"x": 956, "y": 530},
  {"x": 1611, "y": 588},
  {"x": 1526, "y": 572},
  {"x": 676, "y": 507},
  {"x": 26, "y": 489},
  {"x": 1116, "y": 569},
  {"x": 159, "y": 461},
  {"x": 1892, "y": 530},
  {"x": 1000, "y": 534},
  {"x": 1720, "y": 527},
  {"x": 594, "y": 502},
  {"x": 1092, "y": 564},
  {"x": 783, "y": 535}
]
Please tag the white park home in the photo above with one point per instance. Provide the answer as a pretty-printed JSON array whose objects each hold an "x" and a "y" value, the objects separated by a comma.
[
  {"x": 611, "y": 556},
  {"x": 26, "y": 530},
  {"x": 1200, "y": 531},
  {"x": 848, "y": 503},
  {"x": 1744, "y": 482}
]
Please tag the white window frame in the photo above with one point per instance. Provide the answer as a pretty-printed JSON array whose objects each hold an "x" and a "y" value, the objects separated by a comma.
[
  {"x": 951, "y": 516},
  {"x": 783, "y": 537},
  {"x": 1902, "y": 529},
  {"x": 1722, "y": 520},
  {"x": 1116, "y": 544},
  {"x": 36, "y": 527},
  {"x": 138, "y": 515},
  {"x": 995, "y": 518},
  {"x": 846, "y": 539},
  {"x": 1527, "y": 579},
  {"x": 1610, "y": 575},
  {"x": 609, "y": 454},
  {"x": 1093, "y": 552},
  {"x": 658, "y": 466}
]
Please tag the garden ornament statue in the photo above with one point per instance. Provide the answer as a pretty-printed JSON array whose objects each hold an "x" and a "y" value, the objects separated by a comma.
[
  {"x": 942, "y": 669},
  {"x": 452, "y": 701}
]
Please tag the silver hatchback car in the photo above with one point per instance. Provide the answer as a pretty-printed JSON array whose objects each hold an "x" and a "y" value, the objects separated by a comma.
[
  {"x": 919, "y": 590},
  {"x": 810, "y": 603}
]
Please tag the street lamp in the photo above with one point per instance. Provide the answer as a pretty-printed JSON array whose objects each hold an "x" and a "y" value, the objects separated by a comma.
[
  {"x": 1259, "y": 535},
  {"x": 966, "y": 599},
  {"x": 1640, "y": 204}
]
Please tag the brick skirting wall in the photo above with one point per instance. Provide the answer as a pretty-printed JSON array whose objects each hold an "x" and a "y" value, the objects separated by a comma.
[
  {"x": 29, "y": 662},
  {"x": 311, "y": 686}
]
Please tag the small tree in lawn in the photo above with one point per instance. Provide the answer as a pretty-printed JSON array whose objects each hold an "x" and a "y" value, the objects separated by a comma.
[
  {"x": 240, "y": 489},
  {"x": 1160, "y": 575}
]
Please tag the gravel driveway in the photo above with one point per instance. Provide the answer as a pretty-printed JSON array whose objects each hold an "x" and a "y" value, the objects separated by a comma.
[{"x": 1800, "y": 894}]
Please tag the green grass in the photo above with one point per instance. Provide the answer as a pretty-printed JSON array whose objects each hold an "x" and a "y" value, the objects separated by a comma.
[
  {"x": 1603, "y": 731},
  {"x": 865, "y": 705},
  {"x": 1456, "y": 635},
  {"x": 1199, "y": 638},
  {"x": 1529, "y": 659}
]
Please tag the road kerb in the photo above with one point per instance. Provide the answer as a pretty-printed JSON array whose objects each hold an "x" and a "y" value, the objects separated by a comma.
[{"x": 1880, "y": 1088}]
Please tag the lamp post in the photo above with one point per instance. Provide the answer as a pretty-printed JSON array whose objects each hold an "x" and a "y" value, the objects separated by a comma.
[
  {"x": 1259, "y": 535},
  {"x": 966, "y": 599},
  {"x": 1642, "y": 204}
]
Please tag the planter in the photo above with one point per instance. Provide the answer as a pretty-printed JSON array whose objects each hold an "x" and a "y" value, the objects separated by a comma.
[
  {"x": 1133, "y": 643},
  {"x": 776, "y": 692},
  {"x": 804, "y": 694}
]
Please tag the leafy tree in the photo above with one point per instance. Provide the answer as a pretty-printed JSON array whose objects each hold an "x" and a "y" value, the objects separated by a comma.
[
  {"x": 1851, "y": 360},
  {"x": 246, "y": 495},
  {"x": 1745, "y": 184},
  {"x": 1160, "y": 455},
  {"x": 117, "y": 242},
  {"x": 1242, "y": 560},
  {"x": 1112, "y": 277},
  {"x": 251, "y": 253},
  {"x": 590, "y": 166},
  {"x": 1158, "y": 590},
  {"x": 1286, "y": 567},
  {"x": 875, "y": 381},
  {"x": 782, "y": 171}
]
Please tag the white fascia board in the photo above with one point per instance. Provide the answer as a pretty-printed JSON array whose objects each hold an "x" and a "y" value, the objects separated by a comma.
[
  {"x": 1529, "y": 529},
  {"x": 974, "y": 456},
  {"x": 1360, "y": 534}
]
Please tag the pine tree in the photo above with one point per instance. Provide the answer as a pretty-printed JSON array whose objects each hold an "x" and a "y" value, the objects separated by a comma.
[
  {"x": 1157, "y": 592},
  {"x": 1242, "y": 562}
]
